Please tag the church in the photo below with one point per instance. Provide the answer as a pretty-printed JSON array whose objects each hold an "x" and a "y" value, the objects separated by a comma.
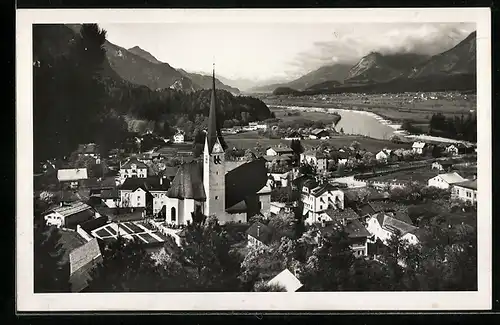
[{"x": 215, "y": 187}]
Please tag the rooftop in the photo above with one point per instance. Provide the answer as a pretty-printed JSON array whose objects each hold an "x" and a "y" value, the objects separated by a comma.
[
  {"x": 287, "y": 280},
  {"x": 468, "y": 184},
  {"x": 188, "y": 183},
  {"x": 72, "y": 209},
  {"x": 260, "y": 232},
  {"x": 451, "y": 178},
  {"x": 72, "y": 174}
]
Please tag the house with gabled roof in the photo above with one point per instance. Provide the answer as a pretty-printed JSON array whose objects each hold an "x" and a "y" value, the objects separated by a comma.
[
  {"x": 383, "y": 154},
  {"x": 72, "y": 176},
  {"x": 259, "y": 235},
  {"x": 316, "y": 159},
  {"x": 69, "y": 216},
  {"x": 356, "y": 232},
  {"x": 383, "y": 225},
  {"x": 319, "y": 134},
  {"x": 318, "y": 198},
  {"x": 445, "y": 181},
  {"x": 418, "y": 147},
  {"x": 279, "y": 151},
  {"x": 465, "y": 191},
  {"x": 143, "y": 192},
  {"x": 82, "y": 261},
  {"x": 133, "y": 168}
]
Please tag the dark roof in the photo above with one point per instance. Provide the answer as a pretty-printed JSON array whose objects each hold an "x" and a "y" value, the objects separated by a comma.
[
  {"x": 168, "y": 172},
  {"x": 147, "y": 184},
  {"x": 337, "y": 214},
  {"x": 239, "y": 207},
  {"x": 87, "y": 148},
  {"x": 188, "y": 183},
  {"x": 260, "y": 232},
  {"x": 69, "y": 196},
  {"x": 319, "y": 131},
  {"x": 310, "y": 183},
  {"x": 315, "y": 153},
  {"x": 319, "y": 190},
  {"x": 273, "y": 158},
  {"x": 82, "y": 260},
  {"x": 365, "y": 209},
  {"x": 245, "y": 181},
  {"x": 468, "y": 184},
  {"x": 110, "y": 194},
  {"x": 401, "y": 216},
  {"x": 355, "y": 229}
]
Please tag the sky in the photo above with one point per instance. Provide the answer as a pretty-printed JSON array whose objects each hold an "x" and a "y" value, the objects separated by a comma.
[{"x": 281, "y": 51}]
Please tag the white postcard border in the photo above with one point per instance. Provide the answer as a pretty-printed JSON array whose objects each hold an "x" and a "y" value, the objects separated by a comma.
[{"x": 26, "y": 300}]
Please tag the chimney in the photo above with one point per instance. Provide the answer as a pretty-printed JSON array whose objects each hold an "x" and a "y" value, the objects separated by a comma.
[
  {"x": 161, "y": 181},
  {"x": 258, "y": 230},
  {"x": 323, "y": 223}
]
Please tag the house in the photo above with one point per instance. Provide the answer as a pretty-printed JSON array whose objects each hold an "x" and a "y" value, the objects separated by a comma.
[
  {"x": 279, "y": 151},
  {"x": 110, "y": 197},
  {"x": 357, "y": 234},
  {"x": 179, "y": 137},
  {"x": 418, "y": 147},
  {"x": 141, "y": 192},
  {"x": 316, "y": 159},
  {"x": 383, "y": 154},
  {"x": 264, "y": 201},
  {"x": 319, "y": 134},
  {"x": 365, "y": 211},
  {"x": 287, "y": 280},
  {"x": 82, "y": 260},
  {"x": 318, "y": 199},
  {"x": 257, "y": 126},
  {"x": 464, "y": 148},
  {"x": 451, "y": 149},
  {"x": 70, "y": 216},
  {"x": 465, "y": 191},
  {"x": 442, "y": 165},
  {"x": 133, "y": 168},
  {"x": 72, "y": 176},
  {"x": 89, "y": 150},
  {"x": 294, "y": 135},
  {"x": 383, "y": 225},
  {"x": 279, "y": 179},
  {"x": 445, "y": 181},
  {"x": 258, "y": 235}
]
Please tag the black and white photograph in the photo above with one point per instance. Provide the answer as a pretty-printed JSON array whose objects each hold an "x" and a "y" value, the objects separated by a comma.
[{"x": 269, "y": 159}]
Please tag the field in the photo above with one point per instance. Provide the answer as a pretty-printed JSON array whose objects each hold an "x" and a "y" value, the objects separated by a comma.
[
  {"x": 396, "y": 107},
  {"x": 312, "y": 116},
  {"x": 420, "y": 175},
  {"x": 129, "y": 230},
  {"x": 248, "y": 140}
]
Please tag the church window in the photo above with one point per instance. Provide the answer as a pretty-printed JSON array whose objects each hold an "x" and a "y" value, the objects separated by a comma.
[
  {"x": 217, "y": 159},
  {"x": 173, "y": 217}
]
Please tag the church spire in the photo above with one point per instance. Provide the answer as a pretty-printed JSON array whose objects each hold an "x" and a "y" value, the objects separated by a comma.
[{"x": 213, "y": 131}]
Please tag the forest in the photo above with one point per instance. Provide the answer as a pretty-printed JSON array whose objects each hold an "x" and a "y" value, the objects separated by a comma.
[{"x": 78, "y": 98}]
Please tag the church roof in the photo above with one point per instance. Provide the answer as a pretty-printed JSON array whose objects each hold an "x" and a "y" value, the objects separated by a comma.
[
  {"x": 244, "y": 181},
  {"x": 188, "y": 183},
  {"x": 213, "y": 130}
]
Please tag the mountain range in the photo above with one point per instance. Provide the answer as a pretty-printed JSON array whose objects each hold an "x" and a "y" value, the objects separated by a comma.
[
  {"x": 140, "y": 67},
  {"x": 454, "y": 69}
]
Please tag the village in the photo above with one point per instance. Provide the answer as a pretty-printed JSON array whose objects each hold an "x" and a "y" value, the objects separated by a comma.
[{"x": 150, "y": 189}]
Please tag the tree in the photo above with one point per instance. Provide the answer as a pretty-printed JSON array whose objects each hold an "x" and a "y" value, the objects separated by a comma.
[
  {"x": 51, "y": 272},
  {"x": 282, "y": 225},
  {"x": 356, "y": 145},
  {"x": 341, "y": 130},
  {"x": 249, "y": 155},
  {"x": 328, "y": 269},
  {"x": 263, "y": 286}
]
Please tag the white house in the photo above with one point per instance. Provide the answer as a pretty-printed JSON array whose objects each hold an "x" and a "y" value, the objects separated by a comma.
[
  {"x": 70, "y": 216},
  {"x": 445, "y": 181},
  {"x": 257, "y": 126},
  {"x": 279, "y": 151},
  {"x": 316, "y": 159},
  {"x": 258, "y": 235},
  {"x": 179, "y": 137},
  {"x": 418, "y": 147},
  {"x": 111, "y": 198},
  {"x": 452, "y": 149},
  {"x": 138, "y": 192},
  {"x": 318, "y": 200},
  {"x": 383, "y": 225},
  {"x": 133, "y": 168},
  {"x": 465, "y": 191},
  {"x": 319, "y": 134},
  {"x": 89, "y": 150},
  {"x": 383, "y": 154},
  {"x": 279, "y": 179},
  {"x": 72, "y": 175},
  {"x": 442, "y": 165},
  {"x": 287, "y": 280}
]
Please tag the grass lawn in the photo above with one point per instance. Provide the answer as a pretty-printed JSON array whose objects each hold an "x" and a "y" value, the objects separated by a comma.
[{"x": 420, "y": 175}]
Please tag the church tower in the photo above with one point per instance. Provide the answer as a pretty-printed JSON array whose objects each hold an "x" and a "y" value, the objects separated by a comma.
[{"x": 214, "y": 171}]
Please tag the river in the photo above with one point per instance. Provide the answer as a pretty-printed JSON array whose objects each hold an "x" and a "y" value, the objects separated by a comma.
[{"x": 357, "y": 122}]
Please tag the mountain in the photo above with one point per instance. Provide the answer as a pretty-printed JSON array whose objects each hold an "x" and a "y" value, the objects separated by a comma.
[
  {"x": 325, "y": 85},
  {"x": 144, "y": 54},
  {"x": 336, "y": 72},
  {"x": 205, "y": 82},
  {"x": 377, "y": 67},
  {"x": 138, "y": 70},
  {"x": 460, "y": 59},
  {"x": 184, "y": 84}
]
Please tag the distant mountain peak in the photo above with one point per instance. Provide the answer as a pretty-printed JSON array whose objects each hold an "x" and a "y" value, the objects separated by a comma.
[{"x": 144, "y": 54}]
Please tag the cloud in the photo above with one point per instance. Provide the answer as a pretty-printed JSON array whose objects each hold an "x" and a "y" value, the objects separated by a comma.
[{"x": 350, "y": 43}]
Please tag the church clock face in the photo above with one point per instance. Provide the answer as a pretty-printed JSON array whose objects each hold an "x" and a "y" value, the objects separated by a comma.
[{"x": 217, "y": 148}]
